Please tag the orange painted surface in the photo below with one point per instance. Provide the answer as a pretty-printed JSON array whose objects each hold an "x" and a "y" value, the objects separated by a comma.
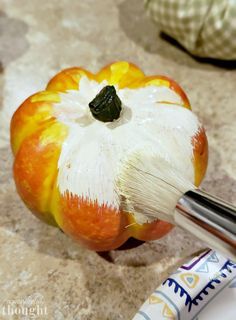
[
  {"x": 200, "y": 153},
  {"x": 36, "y": 139},
  {"x": 98, "y": 227}
]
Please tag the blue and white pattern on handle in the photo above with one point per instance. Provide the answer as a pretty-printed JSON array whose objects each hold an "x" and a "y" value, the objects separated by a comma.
[{"x": 203, "y": 289}]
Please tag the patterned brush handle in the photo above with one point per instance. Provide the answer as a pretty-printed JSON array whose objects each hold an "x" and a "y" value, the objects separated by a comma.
[{"x": 202, "y": 289}]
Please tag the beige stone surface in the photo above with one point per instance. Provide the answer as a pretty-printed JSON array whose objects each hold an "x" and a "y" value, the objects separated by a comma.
[{"x": 37, "y": 39}]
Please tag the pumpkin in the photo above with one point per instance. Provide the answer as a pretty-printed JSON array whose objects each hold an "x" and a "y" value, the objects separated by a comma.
[{"x": 71, "y": 140}]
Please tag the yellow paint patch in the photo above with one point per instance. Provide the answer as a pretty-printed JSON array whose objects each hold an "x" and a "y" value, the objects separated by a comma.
[
  {"x": 158, "y": 82},
  {"x": 118, "y": 70},
  {"x": 48, "y": 96},
  {"x": 55, "y": 133},
  {"x": 76, "y": 76},
  {"x": 55, "y": 205}
]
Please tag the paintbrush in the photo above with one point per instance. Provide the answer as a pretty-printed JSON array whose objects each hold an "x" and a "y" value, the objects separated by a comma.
[{"x": 151, "y": 188}]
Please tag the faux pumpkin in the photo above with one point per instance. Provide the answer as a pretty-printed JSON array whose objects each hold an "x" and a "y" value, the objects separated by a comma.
[{"x": 71, "y": 141}]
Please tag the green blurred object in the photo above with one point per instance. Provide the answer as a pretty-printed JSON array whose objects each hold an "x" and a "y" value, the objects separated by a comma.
[{"x": 206, "y": 28}]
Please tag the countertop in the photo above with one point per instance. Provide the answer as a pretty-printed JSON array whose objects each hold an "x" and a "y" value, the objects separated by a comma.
[{"x": 38, "y": 262}]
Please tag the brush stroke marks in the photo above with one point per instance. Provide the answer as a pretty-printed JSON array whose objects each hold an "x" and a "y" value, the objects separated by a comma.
[{"x": 157, "y": 124}]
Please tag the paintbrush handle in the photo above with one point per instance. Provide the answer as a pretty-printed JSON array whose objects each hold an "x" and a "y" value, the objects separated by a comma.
[{"x": 210, "y": 219}]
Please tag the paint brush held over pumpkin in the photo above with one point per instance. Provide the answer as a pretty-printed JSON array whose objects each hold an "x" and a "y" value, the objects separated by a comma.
[{"x": 153, "y": 189}]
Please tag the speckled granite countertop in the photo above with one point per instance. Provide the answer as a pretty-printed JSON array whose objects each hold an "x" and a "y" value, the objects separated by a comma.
[{"x": 37, "y": 39}]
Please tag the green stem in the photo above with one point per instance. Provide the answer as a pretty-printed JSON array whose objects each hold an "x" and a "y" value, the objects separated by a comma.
[{"x": 106, "y": 106}]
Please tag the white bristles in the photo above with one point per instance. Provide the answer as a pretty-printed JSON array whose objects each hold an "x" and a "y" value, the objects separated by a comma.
[{"x": 150, "y": 187}]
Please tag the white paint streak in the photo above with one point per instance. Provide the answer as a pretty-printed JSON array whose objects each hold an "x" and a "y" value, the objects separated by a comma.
[{"x": 93, "y": 153}]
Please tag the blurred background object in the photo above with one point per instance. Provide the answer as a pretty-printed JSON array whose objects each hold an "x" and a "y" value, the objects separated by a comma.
[{"x": 206, "y": 28}]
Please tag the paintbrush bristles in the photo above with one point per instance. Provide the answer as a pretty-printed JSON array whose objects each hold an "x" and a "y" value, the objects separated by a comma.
[{"x": 150, "y": 188}]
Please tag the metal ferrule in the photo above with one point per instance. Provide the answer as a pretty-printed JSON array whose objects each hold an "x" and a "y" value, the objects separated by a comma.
[{"x": 210, "y": 219}]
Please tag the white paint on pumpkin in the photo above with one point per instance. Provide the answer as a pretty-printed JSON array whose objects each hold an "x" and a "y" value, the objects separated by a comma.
[{"x": 93, "y": 153}]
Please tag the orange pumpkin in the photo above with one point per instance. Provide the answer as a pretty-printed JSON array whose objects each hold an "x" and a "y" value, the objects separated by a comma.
[{"x": 69, "y": 147}]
